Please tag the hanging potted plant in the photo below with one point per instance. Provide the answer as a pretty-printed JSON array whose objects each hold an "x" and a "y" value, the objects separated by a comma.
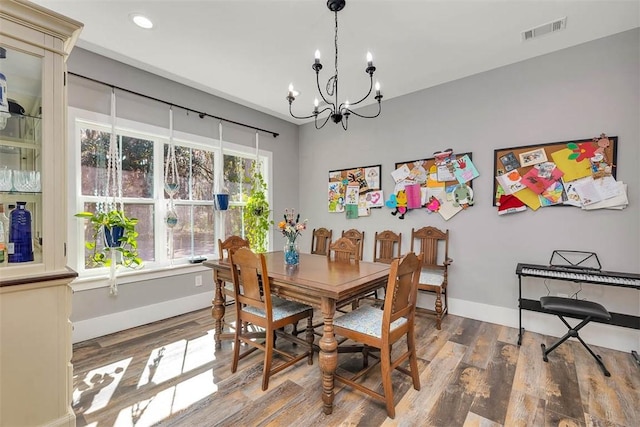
[
  {"x": 118, "y": 232},
  {"x": 256, "y": 213}
]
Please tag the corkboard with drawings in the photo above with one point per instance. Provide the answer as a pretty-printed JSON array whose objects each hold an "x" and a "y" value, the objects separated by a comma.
[
  {"x": 355, "y": 190},
  {"x": 429, "y": 165},
  {"x": 571, "y": 157}
]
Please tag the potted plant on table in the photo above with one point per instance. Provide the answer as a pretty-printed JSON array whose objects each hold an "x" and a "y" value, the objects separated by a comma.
[{"x": 118, "y": 232}]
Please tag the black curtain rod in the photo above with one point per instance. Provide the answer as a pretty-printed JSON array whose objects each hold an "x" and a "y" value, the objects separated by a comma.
[{"x": 199, "y": 113}]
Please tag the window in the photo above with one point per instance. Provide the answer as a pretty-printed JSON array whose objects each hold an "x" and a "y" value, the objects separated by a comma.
[{"x": 143, "y": 151}]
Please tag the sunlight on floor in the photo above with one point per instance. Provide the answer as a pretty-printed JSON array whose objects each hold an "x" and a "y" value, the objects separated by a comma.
[
  {"x": 172, "y": 360},
  {"x": 165, "y": 363},
  {"x": 95, "y": 391},
  {"x": 168, "y": 401}
]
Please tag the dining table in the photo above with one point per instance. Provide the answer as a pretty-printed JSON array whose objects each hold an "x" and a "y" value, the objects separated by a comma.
[{"x": 317, "y": 281}]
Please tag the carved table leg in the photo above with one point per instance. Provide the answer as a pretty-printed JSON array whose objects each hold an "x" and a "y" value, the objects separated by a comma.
[
  {"x": 328, "y": 356},
  {"x": 438, "y": 310},
  {"x": 217, "y": 311}
]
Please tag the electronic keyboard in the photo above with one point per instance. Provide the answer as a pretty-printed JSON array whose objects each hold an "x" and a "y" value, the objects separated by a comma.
[{"x": 579, "y": 274}]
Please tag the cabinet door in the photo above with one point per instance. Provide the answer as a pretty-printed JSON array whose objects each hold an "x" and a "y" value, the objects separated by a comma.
[{"x": 32, "y": 152}]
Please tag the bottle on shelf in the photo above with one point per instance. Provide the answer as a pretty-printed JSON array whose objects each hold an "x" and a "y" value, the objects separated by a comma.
[{"x": 20, "y": 243}]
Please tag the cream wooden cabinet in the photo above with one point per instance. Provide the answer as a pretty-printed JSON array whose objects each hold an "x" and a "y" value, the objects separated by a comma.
[{"x": 35, "y": 297}]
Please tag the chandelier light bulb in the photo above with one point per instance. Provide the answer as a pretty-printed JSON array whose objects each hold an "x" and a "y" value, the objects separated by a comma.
[
  {"x": 377, "y": 88},
  {"x": 317, "y": 56},
  {"x": 315, "y": 106},
  {"x": 369, "y": 59}
]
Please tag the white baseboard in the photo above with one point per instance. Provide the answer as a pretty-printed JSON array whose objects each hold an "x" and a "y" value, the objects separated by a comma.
[
  {"x": 104, "y": 325},
  {"x": 614, "y": 337}
]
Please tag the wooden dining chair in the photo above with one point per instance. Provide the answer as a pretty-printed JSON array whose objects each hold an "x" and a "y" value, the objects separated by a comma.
[
  {"x": 380, "y": 329},
  {"x": 387, "y": 246},
  {"x": 357, "y": 237},
  {"x": 433, "y": 244},
  {"x": 343, "y": 250},
  {"x": 257, "y": 307},
  {"x": 225, "y": 249},
  {"x": 320, "y": 240}
]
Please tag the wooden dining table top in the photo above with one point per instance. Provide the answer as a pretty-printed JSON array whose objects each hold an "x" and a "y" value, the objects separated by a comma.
[{"x": 317, "y": 275}]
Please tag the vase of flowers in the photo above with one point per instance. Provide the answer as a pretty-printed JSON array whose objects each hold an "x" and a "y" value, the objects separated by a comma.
[{"x": 291, "y": 228}]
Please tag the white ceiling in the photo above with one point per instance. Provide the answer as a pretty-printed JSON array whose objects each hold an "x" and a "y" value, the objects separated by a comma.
[{"x": 248, "y": 51}]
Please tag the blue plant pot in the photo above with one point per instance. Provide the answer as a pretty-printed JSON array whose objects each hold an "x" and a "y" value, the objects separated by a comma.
[
  {"x": 221, "y": 202},
  {"x": 112, "y": 236}
]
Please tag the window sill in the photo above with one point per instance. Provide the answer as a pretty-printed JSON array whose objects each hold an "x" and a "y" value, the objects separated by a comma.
[{"x": 89, "y": 282}]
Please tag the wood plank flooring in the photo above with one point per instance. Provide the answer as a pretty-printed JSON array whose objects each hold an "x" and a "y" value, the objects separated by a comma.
[{"x": 471, "y": 374}]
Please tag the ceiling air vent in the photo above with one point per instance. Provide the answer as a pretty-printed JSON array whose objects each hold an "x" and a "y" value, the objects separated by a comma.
[{"x": 551, "y": 27}]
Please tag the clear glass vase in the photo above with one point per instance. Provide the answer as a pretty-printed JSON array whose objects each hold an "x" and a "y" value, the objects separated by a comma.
[{"x": 291, "y": 253}]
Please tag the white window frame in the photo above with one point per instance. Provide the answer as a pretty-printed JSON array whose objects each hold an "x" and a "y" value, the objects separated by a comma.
[{"x": 97, "y": 277}]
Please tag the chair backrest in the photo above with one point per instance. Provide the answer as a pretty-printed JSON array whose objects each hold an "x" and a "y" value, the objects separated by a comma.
[
  {"x": 387, "y": 246},
  {"x": 344, "y": 250},
  {"x": 430, "y": 239},
  {"x": 251, "y": 280},
  {"x": 230, "y": 245},
  {"x": 320, "y": 239},
  {"x": 357, "y": 237},
  {"x": 401, "y": 292}
]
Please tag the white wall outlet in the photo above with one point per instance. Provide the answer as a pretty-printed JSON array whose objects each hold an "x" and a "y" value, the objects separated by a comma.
[{"x": 199, "y": 280}]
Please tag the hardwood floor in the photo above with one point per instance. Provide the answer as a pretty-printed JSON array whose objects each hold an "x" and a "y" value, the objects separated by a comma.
[{"x": 471, "y": 373}]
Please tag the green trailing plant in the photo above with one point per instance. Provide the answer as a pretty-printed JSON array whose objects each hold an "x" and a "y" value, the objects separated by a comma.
[
  {"x": 256, "y": 212},
  {"x": 128, "y": 249}
]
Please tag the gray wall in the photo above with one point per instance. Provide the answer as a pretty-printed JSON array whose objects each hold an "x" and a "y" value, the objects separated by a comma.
[{"x": 572, "y": 94}]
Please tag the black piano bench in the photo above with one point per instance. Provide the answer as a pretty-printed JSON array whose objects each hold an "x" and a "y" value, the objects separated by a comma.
[{"x": 577, "y": 309}]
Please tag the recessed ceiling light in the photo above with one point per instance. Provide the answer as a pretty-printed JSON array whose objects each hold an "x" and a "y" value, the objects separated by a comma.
[{"x": 141, "y": 21}]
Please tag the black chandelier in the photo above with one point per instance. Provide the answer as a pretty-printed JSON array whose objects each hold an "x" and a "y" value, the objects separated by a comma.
[{"x": 338, "y": 113}]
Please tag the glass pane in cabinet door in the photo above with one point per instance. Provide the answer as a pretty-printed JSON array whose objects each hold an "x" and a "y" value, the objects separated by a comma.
[
  {"x": 20, "y": 117},
  {"x": 20, "y": 157}
]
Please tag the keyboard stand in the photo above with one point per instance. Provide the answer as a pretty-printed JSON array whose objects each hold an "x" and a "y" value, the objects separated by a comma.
[{"x": 626, "y": 280}]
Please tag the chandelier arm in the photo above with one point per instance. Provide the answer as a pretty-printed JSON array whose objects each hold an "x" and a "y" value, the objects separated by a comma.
[
  {"x": 345, "y": 122},
  {"x": 323, "y": 110},
  {"x": 323, "y": 123},
  {"x": 367, "y": 117},
  {"x": 368, "y": 93},
  {"x": 299, "y": 117}
]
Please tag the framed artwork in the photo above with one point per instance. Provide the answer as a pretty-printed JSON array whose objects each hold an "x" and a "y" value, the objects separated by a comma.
[{"x": 359, "y": 186}]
